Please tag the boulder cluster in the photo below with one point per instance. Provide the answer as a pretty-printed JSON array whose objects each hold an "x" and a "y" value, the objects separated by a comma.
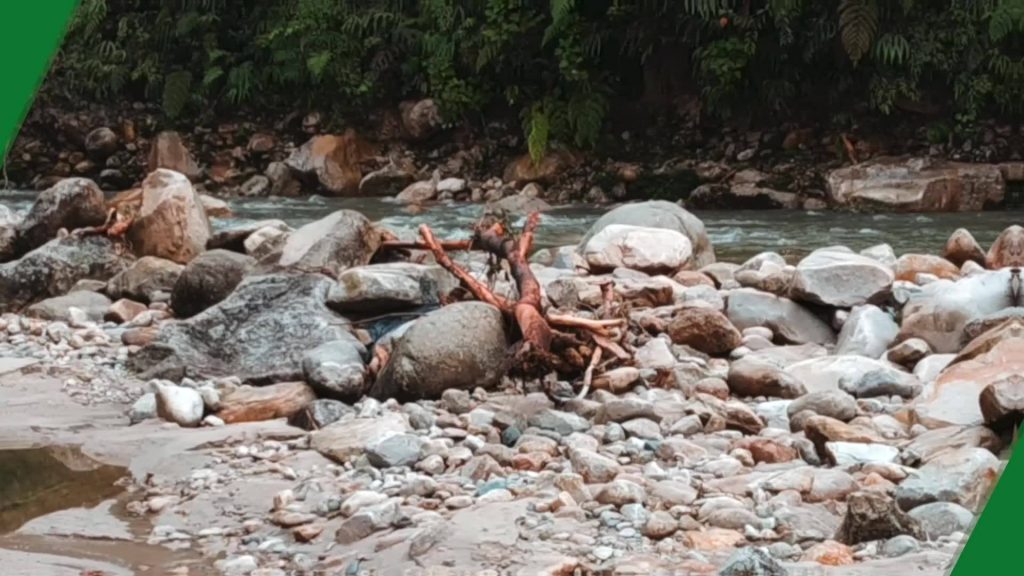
[{"x": 849, "y": 407}]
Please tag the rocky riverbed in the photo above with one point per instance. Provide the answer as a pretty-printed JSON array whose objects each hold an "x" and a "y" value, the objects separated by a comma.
[{"x": 309, "y": 401}]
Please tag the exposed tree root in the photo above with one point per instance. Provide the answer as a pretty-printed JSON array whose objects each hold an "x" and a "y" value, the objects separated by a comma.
[{"x": 578, "y": 344}]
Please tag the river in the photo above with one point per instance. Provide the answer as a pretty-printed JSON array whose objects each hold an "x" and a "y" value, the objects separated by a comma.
[{"x": 736, "y": 234}]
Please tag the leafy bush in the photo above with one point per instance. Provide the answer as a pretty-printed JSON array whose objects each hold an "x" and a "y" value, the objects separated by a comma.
[{"x": 561, "y": 65}]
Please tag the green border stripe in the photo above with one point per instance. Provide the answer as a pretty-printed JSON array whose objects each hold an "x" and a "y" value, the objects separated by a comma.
[{"x": 30, "y": 33}]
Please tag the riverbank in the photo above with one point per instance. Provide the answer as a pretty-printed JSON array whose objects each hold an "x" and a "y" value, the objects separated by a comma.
[
  {"x": 708, "y": 167},
  {"x": 282, "y": 401}
]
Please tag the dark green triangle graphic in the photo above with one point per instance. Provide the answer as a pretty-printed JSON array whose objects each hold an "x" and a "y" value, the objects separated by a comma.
[
  {"x": 30, "y": 33},
  {"x": 997, "y": 530}
]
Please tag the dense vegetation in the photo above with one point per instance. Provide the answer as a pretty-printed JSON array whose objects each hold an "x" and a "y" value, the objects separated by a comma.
[{"x": 561, "y": 65}]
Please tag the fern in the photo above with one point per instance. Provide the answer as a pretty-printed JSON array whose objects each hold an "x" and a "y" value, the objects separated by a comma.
[
  {"x": 177, "y": 88},
  {"x": 858, "y": 24},
  {"x": 892, "y": 49},
  {"x": 561, "y": 14}
]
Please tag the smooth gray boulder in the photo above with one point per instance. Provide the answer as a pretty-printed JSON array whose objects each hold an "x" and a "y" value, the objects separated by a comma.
[
  {"x": 144, "y": 279},
  {"x": 840, "y": 278},
  {"x": 462, "y": 346},
  {"x": 208, "y": 279},
  {"x": 867, "y": 332}
]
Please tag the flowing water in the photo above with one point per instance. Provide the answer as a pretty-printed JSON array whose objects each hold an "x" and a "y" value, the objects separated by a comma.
[{"x": 736, "y": 234}]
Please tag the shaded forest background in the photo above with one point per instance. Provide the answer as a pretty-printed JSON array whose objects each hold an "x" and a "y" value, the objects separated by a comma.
[{"x": 566, "y": 70}]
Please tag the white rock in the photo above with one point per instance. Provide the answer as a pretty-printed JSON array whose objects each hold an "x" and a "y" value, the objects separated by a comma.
[
  {"x": 183, "y": 406},
  {"x": 638, "y": 248}
]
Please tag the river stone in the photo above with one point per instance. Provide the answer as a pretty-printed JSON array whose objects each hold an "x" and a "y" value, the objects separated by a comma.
[
  {"x": 909, "y": 352},
  {"x": 882, "y": 253},
  {"x": 873, "y": 515},
  {"x": 832, "y": 403},
  {"x": 334, "y": 243},
  {"x": 752, "y": 376},
  {"x": 417, "y": 192},
  {"x": 790, "y": 322},
  {"x": 396, "y": 450},
  {"x": 939, "y": 519},
  {"x": 332, "y": 160},
  {"x": 9, "y": 221},
  {"x": 827, "y": 373},
  {"x": 183, "y": 406},
  {"x": 659, "y": 214},
  {"x": 388, "y": 287},
  {"x": 867, "y": 332},
  {"x": 910, "y": 267},
  {"x": 752, "y": 562},
  {"x": 704, "y": 329},
  {"x": 208, "y": 279},
  {"x": 144, "y": 279},
  {"x": 965, "y": 477},
  {"x": 884, "y": 381},
  {"x": 917, "y": 185},
  {"x": 940, "y": 312},
  {"x": 954, "y": 399},
  {"x": 55, "y": 267},
  {"x": 71, "y": 203},
  {"x": 962, "y": 247},
  {"x": 1002, "y": 403},
  {"x": 171, "y": 222},
  {"x": 320, "y": 413},
  {"x": 350, "y": 438},
  {"x": 649, "y": 250},
  {"x": 94, "y": 305},
  {"x": 168, "y": 151},
  {"x": 470, "y": 354},
  {"x": 845, "y": 454},
  {"x": 101, "y": 143},
  {"x": 336, "y": 369},
  {"x": 143, "y": 409},
  {"x": 259, "y": 333},
  {"x": 838, "y": 278},
  {"x": 1007, "y": 250}
]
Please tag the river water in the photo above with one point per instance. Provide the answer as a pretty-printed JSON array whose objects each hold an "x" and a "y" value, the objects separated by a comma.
[{"x": 736, "y": 234}]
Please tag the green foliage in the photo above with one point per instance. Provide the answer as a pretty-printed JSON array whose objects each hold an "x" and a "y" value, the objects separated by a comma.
[{"x": 561, "y": 65}]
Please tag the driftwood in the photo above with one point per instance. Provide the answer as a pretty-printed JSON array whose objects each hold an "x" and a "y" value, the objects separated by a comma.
[{"x": 563, "y": 343}]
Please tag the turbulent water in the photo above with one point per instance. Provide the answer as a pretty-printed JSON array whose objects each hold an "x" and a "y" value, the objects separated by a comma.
[{"x": 736, "y": 234}]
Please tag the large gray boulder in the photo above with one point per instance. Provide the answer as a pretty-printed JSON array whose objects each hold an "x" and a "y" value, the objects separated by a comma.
[
  {"x": 917, "y": 185},
  {"x": 207, "y": 280},
  {"x": 260, "y": 333},
  {"x": 55, "y": 267},
  {"x": 840, "y": 278},
  {"x": 747, "y": 308},
  {"x": 660, "y": 214},
  {"x": 144, "y": 279},
  {"x": 458, "y": 346},
  {"x": 71, "y": 203},
  {"x": 334, "y": 243},
  {"x": 386, "y": 287},
  {"x": 172, "y": 221}
]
